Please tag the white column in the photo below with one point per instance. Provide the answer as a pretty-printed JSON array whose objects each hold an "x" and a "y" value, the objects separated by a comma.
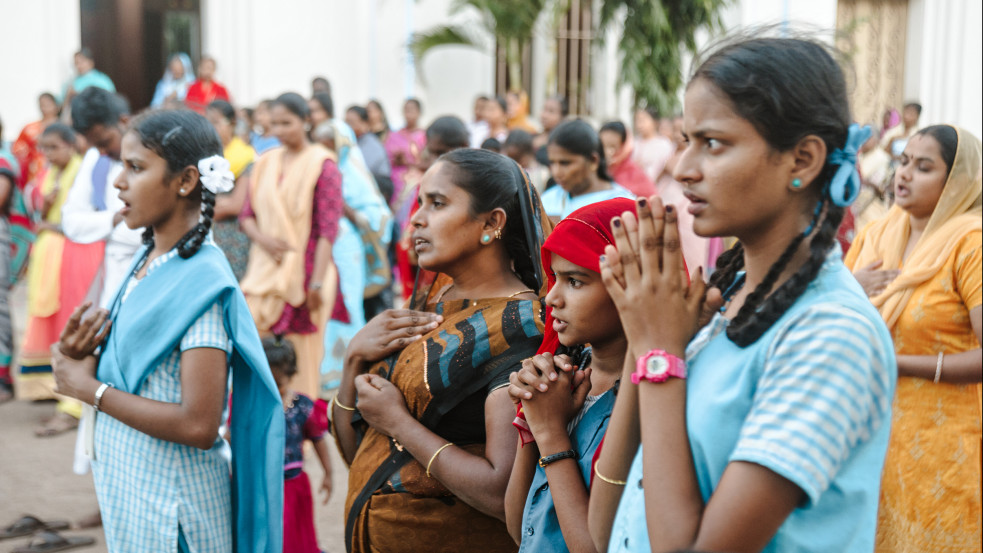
[{"x": 944, "y": 62}]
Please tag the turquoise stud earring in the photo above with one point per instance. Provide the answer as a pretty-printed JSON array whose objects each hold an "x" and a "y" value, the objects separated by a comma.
[
  {"x": 796, "y": 183},
  {"x": 485, "y": 239}
]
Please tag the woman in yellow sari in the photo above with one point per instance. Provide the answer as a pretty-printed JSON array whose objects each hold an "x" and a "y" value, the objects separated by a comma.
[
  {"x": 921, "y": 265},
  {"x": 423, "y": 413},
  {"x": 291, "y": 216},
  {"x": 49, "y": 304}
]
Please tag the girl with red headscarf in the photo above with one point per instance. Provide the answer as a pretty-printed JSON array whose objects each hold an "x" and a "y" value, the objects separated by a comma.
[{"x": 565, "y": 394}]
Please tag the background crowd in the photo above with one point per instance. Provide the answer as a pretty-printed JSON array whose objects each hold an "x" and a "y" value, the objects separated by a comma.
[{"x": 321, "y": 228}]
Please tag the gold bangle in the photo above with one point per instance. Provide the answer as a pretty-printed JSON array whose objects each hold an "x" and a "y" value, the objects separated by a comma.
[
  {"x": 611, "y": 481},
  {"x": 339, "y": 404},
  {"x": 434, "y": 456}
]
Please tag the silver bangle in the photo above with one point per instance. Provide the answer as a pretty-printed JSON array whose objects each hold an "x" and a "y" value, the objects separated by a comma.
[
  {"x": 99, "y": 392},
  {"x": 938, "y": 368}
]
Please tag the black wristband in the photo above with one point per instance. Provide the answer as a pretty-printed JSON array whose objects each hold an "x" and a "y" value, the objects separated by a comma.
[{"x": 568, "y": 454}]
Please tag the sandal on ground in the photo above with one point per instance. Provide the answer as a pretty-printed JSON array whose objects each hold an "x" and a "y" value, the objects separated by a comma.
[
  {"x": 58, "y": 424},
  {"x": 49, "y": 541},
  {"x": 27, "y": 525}
]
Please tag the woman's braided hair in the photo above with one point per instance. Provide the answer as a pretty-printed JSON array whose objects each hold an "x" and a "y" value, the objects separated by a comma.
[
  {"x": 182, "y": 138},
  {"x": 788, "y": 89}
]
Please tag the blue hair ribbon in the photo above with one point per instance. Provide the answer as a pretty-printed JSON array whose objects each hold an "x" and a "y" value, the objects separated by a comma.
[{"x": 845, "y": 186}]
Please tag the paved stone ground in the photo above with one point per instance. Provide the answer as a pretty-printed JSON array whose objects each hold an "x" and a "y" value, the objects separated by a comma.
[{"x": 36, "y": 474}]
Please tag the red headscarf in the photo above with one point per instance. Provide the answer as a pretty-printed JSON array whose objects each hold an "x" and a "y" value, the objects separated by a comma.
[{"x": 579, "y": 238}]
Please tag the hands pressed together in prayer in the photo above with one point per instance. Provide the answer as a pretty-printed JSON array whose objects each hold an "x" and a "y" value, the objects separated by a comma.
[
  {"x": 551, "y": 392},
  {"x": 73, "y": 358},
  {"x": 659, "y": 305}
]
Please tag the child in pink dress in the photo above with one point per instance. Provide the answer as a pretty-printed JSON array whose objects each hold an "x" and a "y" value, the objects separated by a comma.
[{"x": 306, "y": 420}]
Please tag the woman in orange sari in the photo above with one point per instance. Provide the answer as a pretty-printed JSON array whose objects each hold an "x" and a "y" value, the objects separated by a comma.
[
  {"x": 291, "y": 217},
  {"x": 921, "y": 266},
  {"x": 423, "y": 412}
]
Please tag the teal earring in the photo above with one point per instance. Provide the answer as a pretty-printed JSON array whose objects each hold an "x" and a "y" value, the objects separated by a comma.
[
  {"x": 796, "y": 183},
  {"x": 485, "y": 239}
]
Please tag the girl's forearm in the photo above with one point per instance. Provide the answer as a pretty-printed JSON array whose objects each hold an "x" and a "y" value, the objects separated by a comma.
[
  {"x": 617, "y": 453},
  {"x": 570, "y": 498},
  {"x": 518, "y": 490},
  {"x": 323, "y": 455},
  {"x": 673, "y": 504},
  {"x": 957, "y": 368},
  {"x": 170, "y": 422}
]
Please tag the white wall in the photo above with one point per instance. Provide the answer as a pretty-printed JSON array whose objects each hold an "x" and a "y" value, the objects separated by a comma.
[
  {"x": 359, "y": 46},
  {"x": 37, "y": 40},
  {"x": 265, "y": 48},
  {"x": 944, "y": 62}
]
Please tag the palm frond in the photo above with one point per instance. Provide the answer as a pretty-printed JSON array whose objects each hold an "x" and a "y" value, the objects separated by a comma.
[{"x": 442, "y": 35}]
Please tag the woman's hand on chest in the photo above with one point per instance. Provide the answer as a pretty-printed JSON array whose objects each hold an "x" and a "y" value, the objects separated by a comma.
[
  {"x": 381, "y": 404},
  {"x": 390, "y": 332}
]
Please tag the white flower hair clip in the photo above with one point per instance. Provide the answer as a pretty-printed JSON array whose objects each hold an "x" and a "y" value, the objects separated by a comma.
[{"x": 216, "y": 175}]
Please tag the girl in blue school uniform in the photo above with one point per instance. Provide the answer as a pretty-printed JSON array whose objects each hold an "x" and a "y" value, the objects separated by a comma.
[
  {"x": 566, "y": 393},
  {"x": 766, "y": 429},
  {"x": 159, "y": 384}
]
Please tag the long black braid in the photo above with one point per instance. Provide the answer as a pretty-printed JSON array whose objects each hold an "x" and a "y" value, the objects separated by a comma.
[
  {"x": 787, "y": 89},
  {"x": 182, "y": 138},
  {"x": 762, "y": 308}
]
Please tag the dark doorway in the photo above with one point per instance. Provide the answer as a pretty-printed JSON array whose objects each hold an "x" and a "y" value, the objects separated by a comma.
[{"x": 133, "y": 39}]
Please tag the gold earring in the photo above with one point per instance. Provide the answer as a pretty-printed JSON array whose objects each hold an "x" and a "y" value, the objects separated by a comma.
[{"x": 498, "y": 234}]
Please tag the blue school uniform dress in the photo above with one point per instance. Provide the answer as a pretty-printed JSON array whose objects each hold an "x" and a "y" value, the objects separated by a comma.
[
  {"x": 155, "y": 494},
  {"x": 810, "y": 401},
  {"x": 540, "y": 526},
  {"x": 557, "y": 202}
]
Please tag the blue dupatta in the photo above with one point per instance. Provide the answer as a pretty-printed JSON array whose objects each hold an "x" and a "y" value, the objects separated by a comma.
[{"x": 148, "y": 327}]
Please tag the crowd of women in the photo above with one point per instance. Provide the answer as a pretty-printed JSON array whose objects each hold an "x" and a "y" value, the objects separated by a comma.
[{"x": 579, "y": 364}]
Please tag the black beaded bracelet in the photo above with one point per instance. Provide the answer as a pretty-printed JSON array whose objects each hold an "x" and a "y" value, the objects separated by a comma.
[{"x": 568, "y": 454}]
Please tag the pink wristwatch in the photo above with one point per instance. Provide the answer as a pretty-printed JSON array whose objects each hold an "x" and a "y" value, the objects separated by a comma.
[{"x": 657, "y": 366}]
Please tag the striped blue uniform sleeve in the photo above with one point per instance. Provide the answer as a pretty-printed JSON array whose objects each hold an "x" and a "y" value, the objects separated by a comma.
[
  {"x": 824, "y": 389},
  {"x": 208, "y": 331}
]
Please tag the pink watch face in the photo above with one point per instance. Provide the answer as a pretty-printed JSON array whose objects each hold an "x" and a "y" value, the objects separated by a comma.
[{"x": 656, "y": 367}]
